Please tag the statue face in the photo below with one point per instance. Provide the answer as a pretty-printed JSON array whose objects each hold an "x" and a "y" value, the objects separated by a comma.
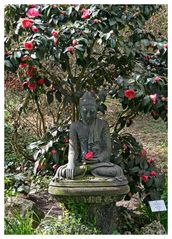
[{"x": 88, "y": 113}]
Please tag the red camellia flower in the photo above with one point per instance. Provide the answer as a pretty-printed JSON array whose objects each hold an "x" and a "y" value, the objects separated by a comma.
[
  {"x": 31, "y": 86},
  {"x": 27, "y": 23},
  {"x": 153, "y": 98},
  {"x": 85, "y": 13},
  {"x": 54, "y": 33},
  {"x": 33, "y": 12},
  {"x": 88, "y": 155},
  {"x": 130, "y": 94},
  {"x": 53, "y": 151},
  {"x": 95, "y": 21},
  {"x": 30, "y": 71},
  {"x": 70, "y": 49},
  {"x": 40, "y": 81},
  {"x": 157, "y": 78},
  {"x": 34, "y": 29},
  {"x": 153, "y": 173},
  {"x": 166, "y": 45},
  {"x": 144, "y": 178},
  {"x": 74, "y": 42},
  {"x": 28, "y": 45},
  {"x": 143, "y": 153},
  {"x": 23, "y": 65}
]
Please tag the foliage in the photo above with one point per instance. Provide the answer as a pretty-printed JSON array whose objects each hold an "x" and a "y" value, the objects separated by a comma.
[
  {"x": 160, "y": 216},
  {"x": 19, "y": 225},
  {"x": 63, "y": 50},
  {"x": 69, "y": 224},
  {"x": 143, "y": 174},
  {"x": 16, "y": 183},
  {"x": 52, "y": 150}
]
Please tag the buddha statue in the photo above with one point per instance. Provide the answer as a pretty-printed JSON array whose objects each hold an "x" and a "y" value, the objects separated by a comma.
[{"x": 90, "y": 146}]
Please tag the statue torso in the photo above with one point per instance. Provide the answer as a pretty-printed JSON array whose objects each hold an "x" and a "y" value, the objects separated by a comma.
[{"x": 91, "y": 137}]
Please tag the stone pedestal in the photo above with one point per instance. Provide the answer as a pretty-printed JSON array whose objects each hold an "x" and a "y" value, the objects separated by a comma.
[{"x": 98, "y": 195}]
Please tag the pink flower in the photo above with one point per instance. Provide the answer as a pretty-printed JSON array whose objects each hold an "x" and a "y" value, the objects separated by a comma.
[
  {"x": 66, "y": 140},
  {"x": 34, "y": 29},
  {"x": 40, "y": 81},
  {"x": 62, "y": 12},
  {"x": 149, "y": 161},
  {"x": 95, "y": 21},
  {"x": 55, "y": 41},
  {"x": 130, "y": 94},
  {"x": 24, "y": 58},
  {"x": 143, "y": 153},
  {"x": 157, "y": 78},
  {"x": 74, "y": 42},
  {"x": 27, "y": 23},
  {"x": 166, "y": 45},
  {"x": 70, "y": 49},
  {"x": 31, "y": 86},
  {"x": 147, "y": 58},
  {"x": 157, "y": 52},
  {"x": 28, "y": 45},
  {"x": 125, "y": 147},
  {"x": 144, "y": 178},
  {"x": 85, "y": 13},
  {"x": 53, "y": 151},
  {"x": 23, "y": 65},
  {"x": 54, "y": 33},
  {"x": 88, "y": 155},
  {"x": 153, "y": 173},
  {"x": 153, "y": 98},
  {"x": 33, "y": 12},
  {"x": 56, "y": 166},
  {"x": 24, "y": 83}
]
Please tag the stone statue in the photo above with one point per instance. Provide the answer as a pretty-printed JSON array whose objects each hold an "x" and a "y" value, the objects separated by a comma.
[{"x": 90, "y": 146}]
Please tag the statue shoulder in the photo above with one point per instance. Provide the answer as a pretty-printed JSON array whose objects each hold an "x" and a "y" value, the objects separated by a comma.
[
  {"x": 74, "y": 125},
  {"x": 102, "y": 122}
]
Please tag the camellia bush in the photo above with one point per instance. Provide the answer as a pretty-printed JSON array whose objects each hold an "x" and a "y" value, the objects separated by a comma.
[{"x": 60, "y": 51}]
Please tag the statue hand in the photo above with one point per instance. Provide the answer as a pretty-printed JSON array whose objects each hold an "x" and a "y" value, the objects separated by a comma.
[{"x": 70, "y": 171}]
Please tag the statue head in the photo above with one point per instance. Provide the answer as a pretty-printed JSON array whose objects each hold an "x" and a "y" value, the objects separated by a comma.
[{"x": 88, "y": 108}]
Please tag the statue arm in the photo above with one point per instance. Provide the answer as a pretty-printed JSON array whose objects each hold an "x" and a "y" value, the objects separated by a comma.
[{"x": 73, "y": 152}]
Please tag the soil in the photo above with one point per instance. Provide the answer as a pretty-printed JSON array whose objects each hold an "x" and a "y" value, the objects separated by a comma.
[{"x": 46, "y": 203}]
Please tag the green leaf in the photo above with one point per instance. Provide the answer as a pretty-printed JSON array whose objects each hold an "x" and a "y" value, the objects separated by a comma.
[
  {"x": 79, "y": 47},
  {"x": 8, "y": 63},
  {"x": 149, "y": 182},
  {"x": 50, "y": 97},
  {"x": 58, "y": 96},
  {"x": 112, "y": 21},
  {"x": 17, "y": 54},
  {"x": 137, "y": 160},
  {"x": 135, "y": 169},
  {"x": 146, "y": 100},
  {"x": 56, "y": 158}
]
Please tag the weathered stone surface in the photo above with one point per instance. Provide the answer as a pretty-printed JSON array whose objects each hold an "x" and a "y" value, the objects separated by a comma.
[
  {"x": 99, "y": 197},
  {"x": 21, "y": 206},
  {"x": 154, "y": 228},
  {"x": 87, "y": 190}
]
